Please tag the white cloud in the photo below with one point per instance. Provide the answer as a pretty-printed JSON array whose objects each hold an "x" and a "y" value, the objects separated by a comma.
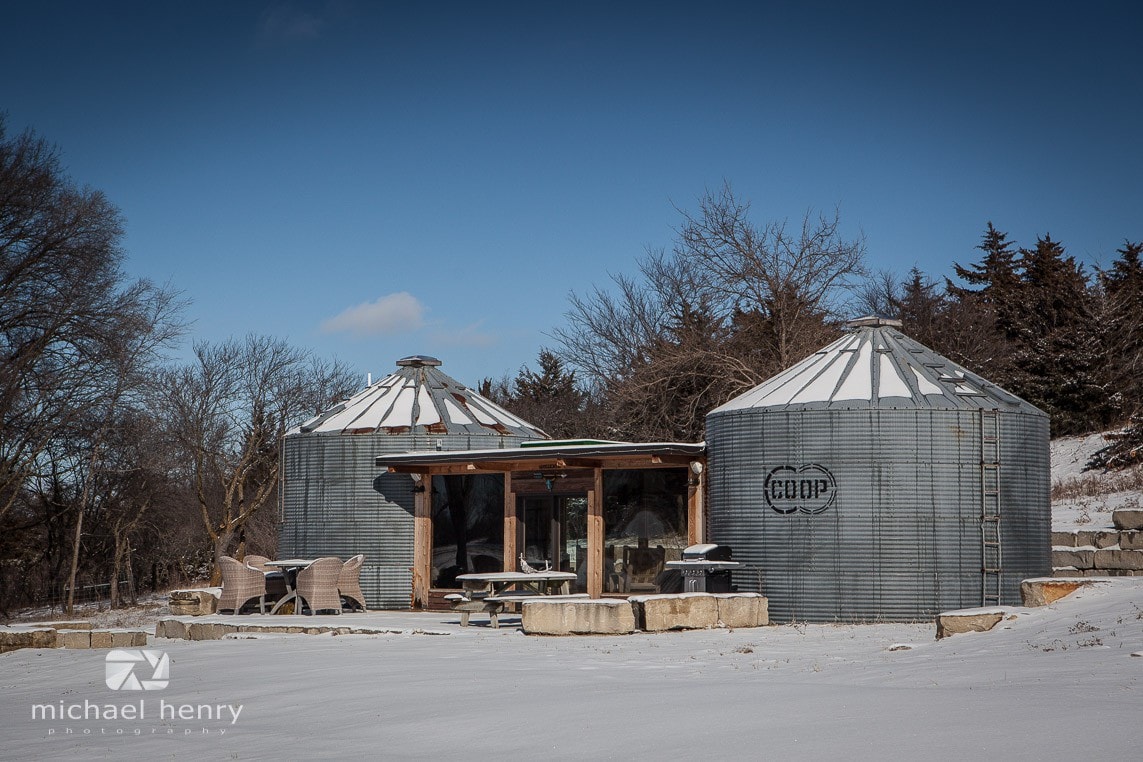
[{"x": 390, "y": 315}]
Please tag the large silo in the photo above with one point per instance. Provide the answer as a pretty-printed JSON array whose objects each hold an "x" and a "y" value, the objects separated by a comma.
[
  {"x": 334, "y": 502},
  {"x": 878, "y": 480}
]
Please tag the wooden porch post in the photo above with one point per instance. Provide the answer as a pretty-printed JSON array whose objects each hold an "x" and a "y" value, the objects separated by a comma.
[
  {"x": 422, "y": 540},
  {"x": 696, "y": 510},
  {"x": 595, "y": 537},
  {"x": 510, "y": 524}
]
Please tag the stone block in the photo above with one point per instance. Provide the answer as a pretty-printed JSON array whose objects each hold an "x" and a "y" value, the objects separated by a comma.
[
  {"x": 684, "y": 611},
  {"x": 192, "y": 603},
  {"x": 1064, "y": 539},
  {"x": 171, "y": 628},
  {"x": 13, "y": 639},
  {"x": 955, "y": 622},
  {"x": 1127, "y": 519},
  {"x": 1078, "y": 559},
  {"x": 743, "y": 609},
  {"x": 1041, "y": 592},
  {"x": 1131, "y": 540},
  {"x": 209, "y": 630},
  {"x": 1106, "y": 539},
  {"x": 128, "y": 639},
  {"x": 73, "y": 639},
  {"x": 578, "y": 617},
  {"x": 1067, "y": 572},
  {"x": 101, "y": 639},
  {"x": 1119, "y": 559}
]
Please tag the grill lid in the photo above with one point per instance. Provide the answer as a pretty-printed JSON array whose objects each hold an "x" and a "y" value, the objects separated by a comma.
[{"x": 707, "y": 552}]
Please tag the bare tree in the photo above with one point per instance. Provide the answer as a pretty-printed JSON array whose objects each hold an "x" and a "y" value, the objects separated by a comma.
[
  {"x": 730, "y": 305},
  {"x": 229, "y": 410}
]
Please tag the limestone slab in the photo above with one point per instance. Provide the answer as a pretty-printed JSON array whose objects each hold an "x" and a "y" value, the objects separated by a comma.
[
  {"x": 684, "y": 611},
  {"x": 1078, "y": 559},
  {"x": 955, "y": 622},
  {"x": 1041, "y": 592},
  {"x": 1064, "y": 539},
  {"x": 1127, "y": 519},
  {"x": 578, "y": 617},
  {"x": 1118, "y": 559},
  {"x": 15, "y": 638},
  {"x": 1131, "y": 539},
  {"x": 73, "y": 639},
  {"x": 743, "y": 610}
]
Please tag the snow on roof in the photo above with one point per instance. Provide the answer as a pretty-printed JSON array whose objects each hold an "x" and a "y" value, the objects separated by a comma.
[
  {"x": 418, "y": 395},
  {"x": 876, "y": 365}
]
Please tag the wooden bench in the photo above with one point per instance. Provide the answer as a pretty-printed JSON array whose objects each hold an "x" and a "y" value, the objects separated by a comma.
[
  {"x": 465, "y": 606},
  {"x": 493, "y": 605}
]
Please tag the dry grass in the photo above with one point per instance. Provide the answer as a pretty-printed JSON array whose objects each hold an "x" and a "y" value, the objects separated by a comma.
[{"x": 1096, "y": 484}]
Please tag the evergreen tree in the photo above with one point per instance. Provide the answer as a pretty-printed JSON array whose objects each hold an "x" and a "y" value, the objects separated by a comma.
[
  {"x": 997, "y": 277},
  {"x": 1122, "y": 321},
  {"x": 550, "y": 398},
  {"x": 979, "y": 329},
  {"x": 1057, "y": 358},
  {"x": 919, "y": 308}
]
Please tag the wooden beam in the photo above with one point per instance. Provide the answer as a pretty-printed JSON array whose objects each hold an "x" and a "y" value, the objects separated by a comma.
[
  {"x": 532, "y": 466},
  {"x": 510, "y": 524},
  {"x": 595, "y": 537},
  {"x": 696, "y": 508},
  {"x": 422, "y": 542}
]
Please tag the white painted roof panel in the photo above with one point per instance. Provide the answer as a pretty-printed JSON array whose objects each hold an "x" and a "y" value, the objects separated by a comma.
[{"x": 869, "y": 365}]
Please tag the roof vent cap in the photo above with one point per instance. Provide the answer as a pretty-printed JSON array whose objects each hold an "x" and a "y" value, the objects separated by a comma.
[
  {"x": 418, "y": 361},
  {"x": 873, "y": 321}
]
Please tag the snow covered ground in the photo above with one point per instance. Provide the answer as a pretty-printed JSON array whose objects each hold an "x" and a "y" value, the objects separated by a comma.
[
  {"x": 1092, "y": 496},
  {"x": 1054, "y": 683},
  {"x": 1058, "y": 682}
]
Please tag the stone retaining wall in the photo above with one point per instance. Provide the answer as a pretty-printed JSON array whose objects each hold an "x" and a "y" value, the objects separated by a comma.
[
  {"x": 650, "y": 613},
  {"x": 69, "y": 635},
  {"x": 1101, "y": 553}
]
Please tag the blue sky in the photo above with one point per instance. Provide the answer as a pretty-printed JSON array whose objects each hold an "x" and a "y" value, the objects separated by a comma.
[{"x": 372, "y": 180}]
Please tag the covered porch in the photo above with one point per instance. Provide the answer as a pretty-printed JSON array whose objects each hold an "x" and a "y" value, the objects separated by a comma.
[{"x": 611, "y": 513}]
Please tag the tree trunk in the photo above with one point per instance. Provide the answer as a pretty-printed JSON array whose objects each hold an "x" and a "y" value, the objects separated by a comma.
[
  {"x": 69, "y": 607},
  {"x": 132, "y": 597},
  {"x": 116, "y": 564},
  {"x": 221, "y": 544}
]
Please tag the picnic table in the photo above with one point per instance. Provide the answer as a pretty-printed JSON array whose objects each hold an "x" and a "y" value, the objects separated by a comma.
[{"x": 489, "y": 592}]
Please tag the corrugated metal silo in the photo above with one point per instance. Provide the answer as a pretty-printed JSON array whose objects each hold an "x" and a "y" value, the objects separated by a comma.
[
  {"x": 878, "y": 480},
  {"x": 334, "y": 501}
]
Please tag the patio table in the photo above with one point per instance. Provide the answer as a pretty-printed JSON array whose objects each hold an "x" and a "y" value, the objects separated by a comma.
[{"x": 290, "y": 568}]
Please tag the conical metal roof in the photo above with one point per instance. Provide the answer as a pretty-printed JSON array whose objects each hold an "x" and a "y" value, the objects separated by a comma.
[
  {"x": 877, "y": 366},
  {"x": 419, "y": 398}
]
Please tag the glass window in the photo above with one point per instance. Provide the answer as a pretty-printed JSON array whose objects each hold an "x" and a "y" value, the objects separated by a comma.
[
  {"x": 645, "y": 521},
  {"x": 468, "y": 527}
]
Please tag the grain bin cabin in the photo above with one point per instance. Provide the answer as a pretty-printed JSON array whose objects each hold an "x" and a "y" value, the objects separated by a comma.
[
  {"x": 334, "y": 501},
  {"x": 613, "y": 513},
  {"x": 878, "y": 480}
]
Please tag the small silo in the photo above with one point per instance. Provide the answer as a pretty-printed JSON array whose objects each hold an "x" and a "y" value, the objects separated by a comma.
[
  {"x": 334, "y": 502},
  {"x": 878, "y": 480}
]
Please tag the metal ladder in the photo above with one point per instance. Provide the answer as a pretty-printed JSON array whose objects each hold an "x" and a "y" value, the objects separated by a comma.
[{"x": 991, "y": 556}]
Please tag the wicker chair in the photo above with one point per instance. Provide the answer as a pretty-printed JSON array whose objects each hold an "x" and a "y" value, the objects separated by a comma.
[
  {"x": 349, "y": 582},
  {"x": 317, "y": 585},
  {"x": 257, "y": 562},
  {"x": 240, "y": 584},
  {"x": 275, "y": 578}
]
